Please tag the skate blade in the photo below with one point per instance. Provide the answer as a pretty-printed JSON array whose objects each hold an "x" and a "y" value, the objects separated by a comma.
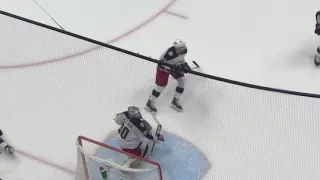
[{"x": 175, "y": 108}]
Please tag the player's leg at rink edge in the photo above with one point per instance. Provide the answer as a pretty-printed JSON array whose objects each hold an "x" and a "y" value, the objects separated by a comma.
[
  {"x": 175, "y": 103},
  {"x": 162, "y": 78}
]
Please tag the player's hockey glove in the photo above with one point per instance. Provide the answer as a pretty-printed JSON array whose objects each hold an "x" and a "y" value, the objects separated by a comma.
[
  {"x": 176, "y": 72},
  {"x": 185, "y": 66}
]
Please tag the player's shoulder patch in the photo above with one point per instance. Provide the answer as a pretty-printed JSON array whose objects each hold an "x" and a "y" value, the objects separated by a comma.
[{"x": 171, "y": 53}]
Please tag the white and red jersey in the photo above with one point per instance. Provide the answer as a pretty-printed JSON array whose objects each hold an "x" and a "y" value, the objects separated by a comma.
[
  {"x": 171, "y": 56},
  {"x": 133, "y": 132}
]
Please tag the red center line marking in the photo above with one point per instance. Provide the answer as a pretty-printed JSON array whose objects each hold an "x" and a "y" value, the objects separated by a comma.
[{"x": 176, "y": 14}]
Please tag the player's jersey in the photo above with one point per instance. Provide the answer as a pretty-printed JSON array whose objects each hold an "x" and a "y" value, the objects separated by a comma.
[
  {"x": 171, "y": 56},
  {"x": 133, "y": 132},
  {"x": 318, "y": 17}
]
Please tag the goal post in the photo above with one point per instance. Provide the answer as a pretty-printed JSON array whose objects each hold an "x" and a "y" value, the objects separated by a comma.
[{"x": 112, "y": 159}]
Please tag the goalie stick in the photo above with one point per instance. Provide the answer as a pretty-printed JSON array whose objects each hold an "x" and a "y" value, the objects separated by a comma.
[{"x": 158, "y": 134}]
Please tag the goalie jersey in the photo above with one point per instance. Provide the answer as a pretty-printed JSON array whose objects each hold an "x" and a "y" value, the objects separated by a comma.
[{"x": 133, "y": 132}]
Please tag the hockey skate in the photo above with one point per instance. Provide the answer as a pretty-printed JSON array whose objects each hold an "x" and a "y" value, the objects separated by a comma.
[
  {"x": 176, "y": 105},
  {"x": 9, "y": 149},
  {"x": 150, "y": 107}
]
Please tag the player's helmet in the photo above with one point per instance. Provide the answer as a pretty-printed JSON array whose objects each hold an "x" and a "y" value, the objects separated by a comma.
[
  {"x": 134, "y": 112},
  {"x": 179, "y": 44}
]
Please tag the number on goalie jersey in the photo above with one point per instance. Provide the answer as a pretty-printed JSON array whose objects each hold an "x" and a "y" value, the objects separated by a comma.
[
  {"x": 4, "y": 146},
  {"x": 135, "y": 132}
]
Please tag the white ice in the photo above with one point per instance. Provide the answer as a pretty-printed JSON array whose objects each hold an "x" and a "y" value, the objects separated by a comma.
[{"x": 246, "y": 135}]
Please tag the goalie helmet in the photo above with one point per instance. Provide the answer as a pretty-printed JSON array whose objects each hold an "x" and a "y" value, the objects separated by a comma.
[
  {"x": 179, "y": 44},
  {"x": 134, "y": 112}
]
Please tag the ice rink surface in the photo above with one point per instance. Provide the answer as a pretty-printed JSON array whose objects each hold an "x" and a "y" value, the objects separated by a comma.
[{"x": 245, "y": 135}]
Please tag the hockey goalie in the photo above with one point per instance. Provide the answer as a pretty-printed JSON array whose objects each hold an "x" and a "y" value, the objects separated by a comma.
[
  {"x": 136, "y": 136},
  {"x": 4, "y": 146}
]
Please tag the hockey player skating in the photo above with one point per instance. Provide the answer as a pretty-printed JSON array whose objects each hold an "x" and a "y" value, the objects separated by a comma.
[
  {"x": 136, "y": 135},
  {"x": 317, "y": 31},
  {"x": 4, "y": 146},
  {"x": 173, "y": 56}
]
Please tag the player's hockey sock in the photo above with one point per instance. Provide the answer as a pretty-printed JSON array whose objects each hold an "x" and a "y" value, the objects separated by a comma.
[
  {"x": 178, "y": 93},
  {"x": 156, "y": 93}
]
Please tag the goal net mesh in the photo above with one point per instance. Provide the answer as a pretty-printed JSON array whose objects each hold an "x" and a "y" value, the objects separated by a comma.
[{"x": 93, "y": 154}]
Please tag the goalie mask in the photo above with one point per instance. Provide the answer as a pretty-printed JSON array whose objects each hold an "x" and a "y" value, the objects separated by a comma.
[{"x": 134, "y": 112}]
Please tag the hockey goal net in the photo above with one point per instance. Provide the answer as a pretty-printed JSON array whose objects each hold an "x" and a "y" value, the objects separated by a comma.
[{"x": 112, "y": 160}]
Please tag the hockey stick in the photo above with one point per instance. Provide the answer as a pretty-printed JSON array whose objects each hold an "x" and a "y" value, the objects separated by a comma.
[
  {"x": 48, "y": 15},
  {"x": 159, "y": 127},
  {"x": 196, "y": 64},
  {"x": 158, "y": 134}
]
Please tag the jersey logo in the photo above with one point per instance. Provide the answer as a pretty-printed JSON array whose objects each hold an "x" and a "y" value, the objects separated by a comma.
[
  {"x": 170, "y": 53},
  {"x": 145, "y": 132}
]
